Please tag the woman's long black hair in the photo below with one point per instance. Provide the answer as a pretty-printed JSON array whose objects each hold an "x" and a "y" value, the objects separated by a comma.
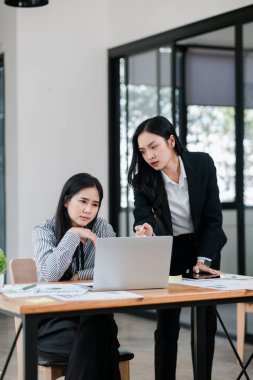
[
  {"x": 141, "y": 176},
  {"x": 73, "y": 185}
]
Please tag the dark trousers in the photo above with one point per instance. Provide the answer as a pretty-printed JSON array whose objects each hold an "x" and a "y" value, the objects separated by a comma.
[
  {"x": 166, "y": 335},
  {"x": 90, "y": 344}
]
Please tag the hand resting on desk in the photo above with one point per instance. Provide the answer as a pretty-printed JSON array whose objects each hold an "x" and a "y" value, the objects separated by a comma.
[{"x": 202, "y": 268}]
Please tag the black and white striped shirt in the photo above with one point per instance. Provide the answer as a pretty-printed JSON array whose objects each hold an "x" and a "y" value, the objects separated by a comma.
[{"x": 53, "y": 260}]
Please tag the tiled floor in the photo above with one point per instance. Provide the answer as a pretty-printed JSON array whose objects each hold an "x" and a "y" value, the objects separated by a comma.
[{"x": 136, "y": 334}]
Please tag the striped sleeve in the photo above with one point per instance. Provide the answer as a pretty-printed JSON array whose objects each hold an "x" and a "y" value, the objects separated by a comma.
[
  {"x": 52, "y": 261},
  {"x": 86, "y": 274},
  {"x": 103, "y": 229}
]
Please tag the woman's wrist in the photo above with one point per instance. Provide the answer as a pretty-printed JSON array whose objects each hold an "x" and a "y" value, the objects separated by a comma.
[{"x": 75, "y": 231}]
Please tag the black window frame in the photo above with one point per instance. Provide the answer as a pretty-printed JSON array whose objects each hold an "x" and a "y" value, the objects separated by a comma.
[{"x": 236, "y": 18}]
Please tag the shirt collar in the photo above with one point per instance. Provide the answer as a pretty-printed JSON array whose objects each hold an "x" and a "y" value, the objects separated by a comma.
[{"x": 182, "y": 176}]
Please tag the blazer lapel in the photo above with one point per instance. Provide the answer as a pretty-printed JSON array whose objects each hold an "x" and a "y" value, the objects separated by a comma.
[
  {"x": 167, "y": 216},
  {"x": 194, "y": 186}
]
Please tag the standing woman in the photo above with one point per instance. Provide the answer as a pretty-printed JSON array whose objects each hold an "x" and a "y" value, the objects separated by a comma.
[
  {"x": 64, "y": 249},
  {"x": 176, "y": 193}
]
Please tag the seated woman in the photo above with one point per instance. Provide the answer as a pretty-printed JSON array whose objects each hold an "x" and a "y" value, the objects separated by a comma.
[{"x": 64, "y": 249}]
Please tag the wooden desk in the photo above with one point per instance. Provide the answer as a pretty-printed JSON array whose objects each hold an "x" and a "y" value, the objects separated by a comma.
[{"x": 174, "y": 295}]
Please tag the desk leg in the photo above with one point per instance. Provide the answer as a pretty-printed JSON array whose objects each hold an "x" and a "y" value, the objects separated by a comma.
[
  {"x": 30, "y": 357},
  {"x": 199, "y": 342}
]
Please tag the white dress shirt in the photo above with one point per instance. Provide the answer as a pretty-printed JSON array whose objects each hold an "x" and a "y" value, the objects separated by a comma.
[{"x": 178, "y": 199}]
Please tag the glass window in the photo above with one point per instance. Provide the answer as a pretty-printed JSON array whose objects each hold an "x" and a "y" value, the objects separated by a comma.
[
  {"x": 248, "y": 115},
  {"x": 210, "y": 100},
  {"x": 248, "y": 143},
  {"x": 212, "y": 130},
  {"x": 145, "y": 91},
  {"x": 165, "y": 90},
  {"x": 248, "y": 157}
]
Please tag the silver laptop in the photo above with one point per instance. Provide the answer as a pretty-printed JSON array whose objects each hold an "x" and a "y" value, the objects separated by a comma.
[{"x": 123, "y": 263}]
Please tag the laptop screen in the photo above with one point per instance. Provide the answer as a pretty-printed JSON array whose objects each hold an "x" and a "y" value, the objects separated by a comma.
[{"x": 132, "y": 262}]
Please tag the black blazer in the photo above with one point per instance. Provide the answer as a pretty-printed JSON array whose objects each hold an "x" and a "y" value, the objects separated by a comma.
[{"x": 205, "y": 206}]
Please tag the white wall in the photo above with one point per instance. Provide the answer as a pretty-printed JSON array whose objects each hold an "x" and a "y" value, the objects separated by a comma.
[
  {"x": 134, "y": 19},
  {"x": 56, "y": 93},
  {"x": 61, "y": 109},
  {"x": 62, "y": 105},
  {"x": 8, "y": 46}
]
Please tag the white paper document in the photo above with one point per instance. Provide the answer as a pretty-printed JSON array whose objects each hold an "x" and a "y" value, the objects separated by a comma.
[
  {"x": 226, "y": 281},
  {"x": 43, "y": 289},
  {"x": 64, "y": 292}
]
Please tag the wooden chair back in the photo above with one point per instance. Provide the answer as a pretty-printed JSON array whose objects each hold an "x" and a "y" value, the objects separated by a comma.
[{"x": 23, "y": 271}]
